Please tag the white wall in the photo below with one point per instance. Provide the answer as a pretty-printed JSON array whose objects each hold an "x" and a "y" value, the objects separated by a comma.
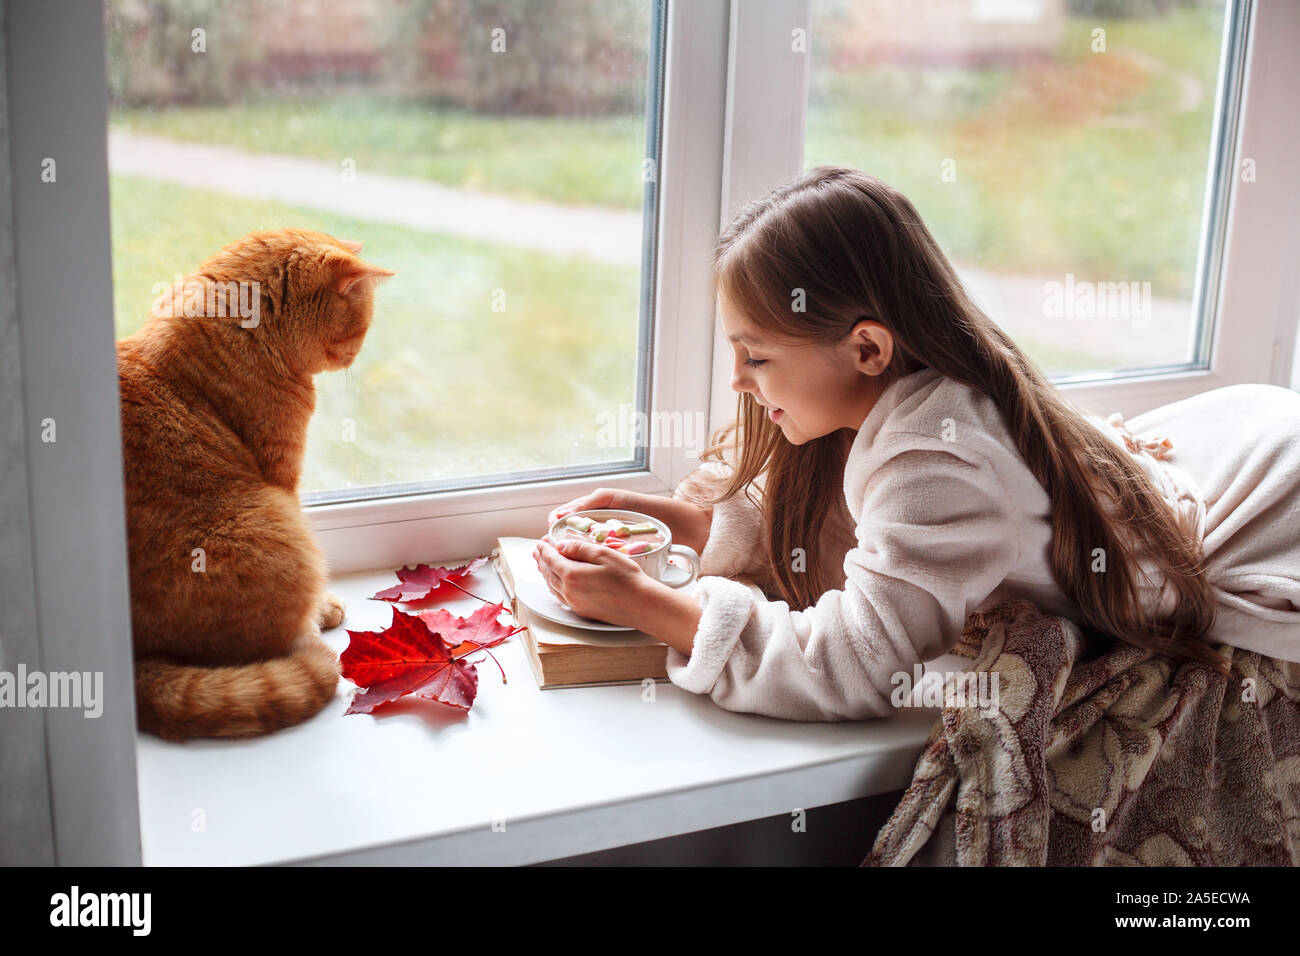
[{"x": 67, "y": 782}]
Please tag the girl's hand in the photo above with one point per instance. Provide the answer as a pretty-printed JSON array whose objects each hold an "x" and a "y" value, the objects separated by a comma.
[{"x": 593, "y": 580}]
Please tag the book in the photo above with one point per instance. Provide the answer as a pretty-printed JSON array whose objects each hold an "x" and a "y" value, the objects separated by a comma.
[{"x": 565, "y": 656}]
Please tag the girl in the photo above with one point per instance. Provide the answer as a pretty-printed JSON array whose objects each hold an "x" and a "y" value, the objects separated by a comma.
[{"x": 870, "y": 381}]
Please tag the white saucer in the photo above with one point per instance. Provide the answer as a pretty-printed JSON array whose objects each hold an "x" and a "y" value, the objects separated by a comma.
[
  {"x": 531, "y": 590},
  {"x": 539, "y": 600}
]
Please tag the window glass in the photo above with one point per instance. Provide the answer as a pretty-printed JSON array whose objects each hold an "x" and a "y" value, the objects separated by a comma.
[
  {"x": 1059, "y": 150},
  {"x": 500, "y": 157}
]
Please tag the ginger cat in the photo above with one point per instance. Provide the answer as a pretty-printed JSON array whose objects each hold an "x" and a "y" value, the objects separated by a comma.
[{"x": 215, "y": 405}]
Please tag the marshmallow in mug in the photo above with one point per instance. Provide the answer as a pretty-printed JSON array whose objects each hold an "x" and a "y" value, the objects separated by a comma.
[{"x": 616, "y": 534}]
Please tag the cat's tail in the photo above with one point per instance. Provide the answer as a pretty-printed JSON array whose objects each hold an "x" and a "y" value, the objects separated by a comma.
[{"x": 181, "y": 701}]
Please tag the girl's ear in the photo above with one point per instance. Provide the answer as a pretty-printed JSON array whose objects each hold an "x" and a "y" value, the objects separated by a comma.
[
  {"x": 344, "y": 271},
  {"x": 875, "y": 346}
]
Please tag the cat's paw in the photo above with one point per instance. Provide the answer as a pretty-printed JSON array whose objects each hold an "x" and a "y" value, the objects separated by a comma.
[{"x": 330, "y": 610}]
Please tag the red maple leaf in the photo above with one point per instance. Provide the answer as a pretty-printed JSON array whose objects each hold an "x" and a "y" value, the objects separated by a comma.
[
  {"x": 465, "y": 635},
  {"x": 421, "y": 581},
  {"x": 408, "y": 657}
]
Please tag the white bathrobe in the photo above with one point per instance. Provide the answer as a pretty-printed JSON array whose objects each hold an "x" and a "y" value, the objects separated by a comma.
[{"x": 950, "y": 519}]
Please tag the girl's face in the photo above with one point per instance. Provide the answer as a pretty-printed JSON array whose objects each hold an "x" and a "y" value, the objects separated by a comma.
[{"x": 810, "y": 390}]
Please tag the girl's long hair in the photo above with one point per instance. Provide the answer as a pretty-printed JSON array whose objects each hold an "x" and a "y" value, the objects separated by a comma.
[{"x": 859, "y": 250}]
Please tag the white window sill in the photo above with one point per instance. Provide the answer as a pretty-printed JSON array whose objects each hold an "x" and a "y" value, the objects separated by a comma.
[{"x": 570, "y": 771}]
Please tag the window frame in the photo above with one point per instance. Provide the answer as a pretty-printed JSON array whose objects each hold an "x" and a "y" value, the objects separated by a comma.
[
  {"x": 1240, "y": 237},
  {"x": 450, "y": 525},
  {"x": 718, "y": 117},
  {"x": 1260, "y": 235}
]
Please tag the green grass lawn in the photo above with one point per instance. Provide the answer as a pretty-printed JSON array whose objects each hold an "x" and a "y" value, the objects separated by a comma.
[
  {"x": 1045, "y": 181},
  {"x": 529, "y": 157},
  {"x": 444, "y": 386},
  {"x": 1044, "y": 184}
]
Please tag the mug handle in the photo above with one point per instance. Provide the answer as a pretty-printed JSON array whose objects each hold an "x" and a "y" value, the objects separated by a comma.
[{"x": 687, "y": 552}]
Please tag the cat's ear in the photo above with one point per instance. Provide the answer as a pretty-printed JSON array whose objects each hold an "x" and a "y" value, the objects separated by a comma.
[
  {"x": 346, "y": 271},
  {"x": 351, "y": 245}
]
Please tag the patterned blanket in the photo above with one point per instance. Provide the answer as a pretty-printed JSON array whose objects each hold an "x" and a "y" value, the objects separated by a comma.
[{"x": 1103, "y": 756}]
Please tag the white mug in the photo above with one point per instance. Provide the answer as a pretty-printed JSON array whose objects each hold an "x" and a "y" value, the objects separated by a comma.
[{"x": 654, "y": 563}]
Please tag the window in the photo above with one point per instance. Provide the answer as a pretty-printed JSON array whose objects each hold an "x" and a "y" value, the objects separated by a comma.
[
  {"x": 1064, "y": 153},
  {"x": 501, "y": 158}
]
